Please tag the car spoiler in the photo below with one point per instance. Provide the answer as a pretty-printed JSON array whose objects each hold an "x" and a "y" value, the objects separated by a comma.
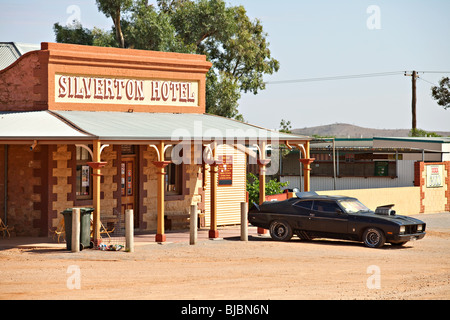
[
  {"x": 256, "y": 206},
  {"x": 306, "y": 194}
]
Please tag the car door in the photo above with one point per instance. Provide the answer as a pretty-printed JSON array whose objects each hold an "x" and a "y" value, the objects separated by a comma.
[
  {"x": 302, "y": 211},
  {"x": 327, "y": 216}
]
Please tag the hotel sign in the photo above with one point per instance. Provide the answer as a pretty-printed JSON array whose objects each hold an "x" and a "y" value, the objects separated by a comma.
[{"x": 105, "y": 90}]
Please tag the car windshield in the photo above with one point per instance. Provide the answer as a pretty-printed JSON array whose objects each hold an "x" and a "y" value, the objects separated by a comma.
[{"x": 353, "y": 206}]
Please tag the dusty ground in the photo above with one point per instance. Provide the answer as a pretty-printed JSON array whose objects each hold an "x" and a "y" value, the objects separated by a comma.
[{"x": 229, "y": 269}]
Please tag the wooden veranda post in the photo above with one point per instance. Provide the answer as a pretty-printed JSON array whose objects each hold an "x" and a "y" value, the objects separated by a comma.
[
  {"x": 160, "y": 165},
  {"x": 262, "y": 163},
  {"x": 213, "y": 231},
  {"x": 96, "y": 190},
  {"x": 306, "y": 161}
]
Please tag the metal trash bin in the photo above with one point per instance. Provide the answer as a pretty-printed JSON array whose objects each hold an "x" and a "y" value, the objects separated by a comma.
[{"x": 85, "y": 227}]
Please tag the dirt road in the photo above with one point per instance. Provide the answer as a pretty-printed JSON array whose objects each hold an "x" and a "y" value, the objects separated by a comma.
[{"x": 230, "y": 269}]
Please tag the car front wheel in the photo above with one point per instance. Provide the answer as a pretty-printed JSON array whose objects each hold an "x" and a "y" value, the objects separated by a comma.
[
  {"x": 280, "y": 231},
  {"x": 374, "y": 238}
]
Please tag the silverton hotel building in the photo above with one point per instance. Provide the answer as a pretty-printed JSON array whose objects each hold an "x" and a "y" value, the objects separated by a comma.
[{"x": 118, "y": 129}]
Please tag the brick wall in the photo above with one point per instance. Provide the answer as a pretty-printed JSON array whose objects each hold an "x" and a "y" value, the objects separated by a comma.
[
  {"x": 22, "y": 85},
  {"x": 2, "y": 181},
  {"x": 432, "y": 199}
]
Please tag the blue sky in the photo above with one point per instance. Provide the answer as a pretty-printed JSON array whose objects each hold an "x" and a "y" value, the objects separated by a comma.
[{"x": 312, "y": 39}]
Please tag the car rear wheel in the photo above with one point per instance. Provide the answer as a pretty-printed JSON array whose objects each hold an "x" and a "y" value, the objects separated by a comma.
[
  {"x": 374, "y": 238},
  {"x": 280, "y": 231}
]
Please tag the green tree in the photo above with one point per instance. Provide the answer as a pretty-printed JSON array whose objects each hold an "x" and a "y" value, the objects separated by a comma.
[
  {"x": 442, "y": 93},
  {"x": 236, "y": 45},
  {"x": 146, "y": 28},
  {"x": 422, "y": 133},
  {"x": 113, "y": 9},
  {"x": 272, "y": 187},
  {"x": 73, "y": 33},
  {"x": 285, "y": 126}
]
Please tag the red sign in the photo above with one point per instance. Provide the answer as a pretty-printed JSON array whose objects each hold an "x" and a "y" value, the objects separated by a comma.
[{"x": 226, "y": 170}]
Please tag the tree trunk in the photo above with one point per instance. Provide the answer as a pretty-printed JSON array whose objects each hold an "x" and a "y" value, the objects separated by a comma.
[{"x": 119, "y": 34}]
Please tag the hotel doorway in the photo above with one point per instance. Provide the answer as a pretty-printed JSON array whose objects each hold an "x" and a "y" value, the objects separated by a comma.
[{"x": 128, "y": 186}]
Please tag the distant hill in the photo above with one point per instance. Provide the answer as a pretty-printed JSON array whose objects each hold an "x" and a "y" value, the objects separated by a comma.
[{"x": 343, "y": 130}]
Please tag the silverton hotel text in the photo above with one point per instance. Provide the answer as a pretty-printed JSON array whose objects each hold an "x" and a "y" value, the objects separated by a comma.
[{"x": 72, "y": 88}]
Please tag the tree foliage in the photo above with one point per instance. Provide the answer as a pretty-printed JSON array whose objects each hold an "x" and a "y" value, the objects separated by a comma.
[
  {"x": 285, "y": 126},
  {"x": 442, "y": 93},
  {"x": 113, "y": 9},
  {"x": 272, "y": 187},
  {"x": 73, "y": 33},
  {"x": 236, "y": 45}
]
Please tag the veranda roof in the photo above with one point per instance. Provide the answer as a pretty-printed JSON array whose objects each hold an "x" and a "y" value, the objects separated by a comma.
[{"x": 125, "y": 126}]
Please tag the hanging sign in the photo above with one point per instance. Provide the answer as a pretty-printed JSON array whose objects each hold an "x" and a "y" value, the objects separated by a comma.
[
  {"x": 105, "y": 90},
  {"x": 225, "y": 170}
]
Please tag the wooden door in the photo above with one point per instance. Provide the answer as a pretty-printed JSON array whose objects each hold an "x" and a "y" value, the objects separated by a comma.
[{"x": 128, "y": 187}]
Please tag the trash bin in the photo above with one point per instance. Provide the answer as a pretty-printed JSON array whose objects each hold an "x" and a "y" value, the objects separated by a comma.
[{"x": 85, "y": 227}]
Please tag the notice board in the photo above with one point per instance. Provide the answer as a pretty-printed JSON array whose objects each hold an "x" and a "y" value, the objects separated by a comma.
[{"x": 225, "y": 170}]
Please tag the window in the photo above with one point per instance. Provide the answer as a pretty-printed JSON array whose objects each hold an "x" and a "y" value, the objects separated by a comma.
[
  {"x": 173, "y": 177},
  {"x": 353, "y": 206},
  {"x": 325, "y": 206},
  {"x": 83, "y": 175},
  {"x": 304, "y": 204}
]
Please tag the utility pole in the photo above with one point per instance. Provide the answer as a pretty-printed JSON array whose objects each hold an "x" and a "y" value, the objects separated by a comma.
[{"x": 414, "y": 77}]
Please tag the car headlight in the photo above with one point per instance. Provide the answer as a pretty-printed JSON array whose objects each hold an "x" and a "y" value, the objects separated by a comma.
[
  {"x": 419, "y": 227},
  {"x": 402, "y": 229}
]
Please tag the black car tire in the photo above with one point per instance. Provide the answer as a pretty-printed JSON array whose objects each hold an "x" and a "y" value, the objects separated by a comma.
[
  {"x": 280, "y": 230},
  {"x": 398, "y": 244},
  {"x": 374, "y": 238}
]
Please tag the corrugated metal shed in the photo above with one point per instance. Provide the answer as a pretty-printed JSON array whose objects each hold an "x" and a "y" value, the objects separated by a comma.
[
  {"x": 229, "y": 197},
  {"x": 11, "y": 51}
]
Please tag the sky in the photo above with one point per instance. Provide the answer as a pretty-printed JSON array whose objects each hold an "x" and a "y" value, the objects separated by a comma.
[{"x": 312, "y": 39}]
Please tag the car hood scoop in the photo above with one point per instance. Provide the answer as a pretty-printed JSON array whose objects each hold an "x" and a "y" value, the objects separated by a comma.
[{"x": 385, "y": 210}]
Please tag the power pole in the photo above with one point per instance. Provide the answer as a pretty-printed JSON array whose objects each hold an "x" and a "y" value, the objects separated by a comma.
[{"x": 414, "y": 77}]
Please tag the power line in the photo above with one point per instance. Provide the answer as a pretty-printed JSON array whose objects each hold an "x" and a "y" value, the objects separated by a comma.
[
  {"x": 421, "y": 78},
  {"x": 345, "y": 77},
  {"x": 348, "y": 77},
  {"x": 434, "y": 71}
]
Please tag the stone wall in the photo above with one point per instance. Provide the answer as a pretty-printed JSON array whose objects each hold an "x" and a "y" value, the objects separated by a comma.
[
  {"x": 176, "y": 207},
  {"x": 62, "y": 175},
  {"x": 22, "y": 212}
]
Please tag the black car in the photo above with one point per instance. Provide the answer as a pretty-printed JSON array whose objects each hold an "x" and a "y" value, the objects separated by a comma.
[{"x": 310, "y": 216}]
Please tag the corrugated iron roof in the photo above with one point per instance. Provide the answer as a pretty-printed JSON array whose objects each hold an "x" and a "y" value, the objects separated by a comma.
[
  {"x": 168, "y": 126},
  {"x": 36, "y": 125},
  {"x": 124, "y": 126}
]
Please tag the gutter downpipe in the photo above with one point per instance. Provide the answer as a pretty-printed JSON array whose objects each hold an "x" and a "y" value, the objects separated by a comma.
[
  {"x": 5, "y": 220},
  {"x": 334, "y": 163}
]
